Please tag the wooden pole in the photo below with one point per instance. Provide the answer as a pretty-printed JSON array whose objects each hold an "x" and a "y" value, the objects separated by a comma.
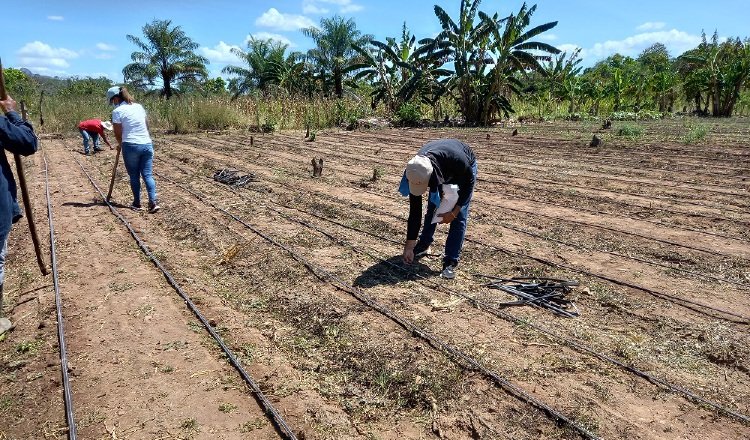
[
  {"x": 22, "y": 184},
  {"x": 114, "y": 173}
]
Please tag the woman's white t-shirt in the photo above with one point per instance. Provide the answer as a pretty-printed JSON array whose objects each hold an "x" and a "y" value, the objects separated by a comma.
[{"x": 133, "y": 120}]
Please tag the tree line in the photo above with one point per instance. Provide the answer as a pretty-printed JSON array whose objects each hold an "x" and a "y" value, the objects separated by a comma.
[{"x": 479, "y": 62}]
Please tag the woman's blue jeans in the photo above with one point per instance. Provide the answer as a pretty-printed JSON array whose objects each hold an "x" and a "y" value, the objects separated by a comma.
[
  {"x": 89, "y": 136},
  {"x": 139, "y": 161}
]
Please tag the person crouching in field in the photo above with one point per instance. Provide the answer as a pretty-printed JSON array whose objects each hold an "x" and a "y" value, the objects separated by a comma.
[
  {"x": 131, "y": 131},
  {"x": 439, "y": 166},
  {"x": 91, "y": 129},
  {"x": 16, "y": 136}
]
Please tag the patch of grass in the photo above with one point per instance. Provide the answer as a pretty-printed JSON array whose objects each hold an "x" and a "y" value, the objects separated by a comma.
[
  {"x": 696, "y": 133},
  {"x": 29, "y": 347},
  {"x": 117, "y": 287},
  {"x": 189, "y": 425},
  {"x": 252, "y": 425},
  {"x": 630, "y": 131},
  {"x": 227, "y": 407}
]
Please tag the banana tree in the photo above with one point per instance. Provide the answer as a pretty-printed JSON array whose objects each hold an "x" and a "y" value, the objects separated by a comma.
[{"x": 487, "y": 53}]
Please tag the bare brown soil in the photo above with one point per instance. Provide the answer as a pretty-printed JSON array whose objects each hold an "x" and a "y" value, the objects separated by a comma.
[{"x": 656, "y": 232}]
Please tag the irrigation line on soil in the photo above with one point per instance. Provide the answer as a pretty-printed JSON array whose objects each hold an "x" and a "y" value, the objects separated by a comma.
[
  {"x": 457, "y": 355},
  {"x": 478, "y": 304},
  {"x": 598, "y": 212},
  {"x": 673, "y": 199},
  {"x": 488, "y": 307},
  {"x": 576, "y": 149},
  {"x": 617, "y": 254},
  {"x": 555, "y": 183},
  {"x": 686, "y": 303},
  {"x": 625, "y": 178},
  {"x": 67, "y": 391},
  {"x": 278, "y": 421},
  {"x": 612, "y": 201}
]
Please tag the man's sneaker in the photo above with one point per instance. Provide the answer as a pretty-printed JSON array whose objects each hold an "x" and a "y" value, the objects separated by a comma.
[
  {"x": 97, "y": 149},
  {"x": 420, "y": 251},
  {"x": 153, "y": 207},
  {"x": 449, "y": 272}
]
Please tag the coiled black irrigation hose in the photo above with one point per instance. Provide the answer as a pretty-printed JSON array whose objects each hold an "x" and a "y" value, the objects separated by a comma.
[
  {"x": 455, "y": 354},
  {"x": 67, "y": 392},
  {"x": 481, "y": 305},
  {"x": 278, "y": 421}
]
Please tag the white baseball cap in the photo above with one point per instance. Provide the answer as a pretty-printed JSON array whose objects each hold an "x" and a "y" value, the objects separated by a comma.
[{"x": 418, "y": 172}]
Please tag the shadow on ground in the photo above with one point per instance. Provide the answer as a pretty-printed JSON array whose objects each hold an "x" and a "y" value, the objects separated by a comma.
[
  {"x": 95, "y": 202},
  {"x": 392, "y": 271}
]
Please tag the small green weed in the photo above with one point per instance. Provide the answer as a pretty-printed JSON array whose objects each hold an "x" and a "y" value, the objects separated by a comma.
[
  {"x": 696, "y": 133},
  {"x": 630, "y": 131}
]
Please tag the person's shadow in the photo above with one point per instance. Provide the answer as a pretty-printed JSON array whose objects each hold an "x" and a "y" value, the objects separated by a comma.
[
  {"x": 391, "y": 271},
  {"x": 95, "y": 202}
]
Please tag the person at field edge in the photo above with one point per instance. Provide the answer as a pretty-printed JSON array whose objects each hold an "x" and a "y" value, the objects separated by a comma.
[
  {"x": 91, "y": 129},
  {"x": 133, "y": 139},
  {"x": 437, "y": 163},
  {"x": 16, "y": 136}
]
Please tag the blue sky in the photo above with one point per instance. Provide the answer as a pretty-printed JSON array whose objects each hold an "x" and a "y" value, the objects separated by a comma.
[{"x": 85, "y": 38}]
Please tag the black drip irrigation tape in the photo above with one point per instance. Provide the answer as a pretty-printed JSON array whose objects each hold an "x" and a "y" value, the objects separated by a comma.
[
  {"x": 609, "y": 213},
  {"x": 278, "y": 421},
  {"x": 686, "y": 303},
  {"x": 482, "y": 305},
  {"x": 457, "y": 355},
  {"x": 67, "y": 390},
  {"x": 589, "y": 188}
]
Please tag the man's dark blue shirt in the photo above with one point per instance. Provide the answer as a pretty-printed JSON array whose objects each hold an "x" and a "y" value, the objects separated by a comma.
[{"x": 17, "y": 137}]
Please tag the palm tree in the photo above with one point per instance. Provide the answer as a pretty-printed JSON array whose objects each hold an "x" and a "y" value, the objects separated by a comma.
[
  {"x": 167, "y": 56},
  {"x": 268, "y": 65},
  {"x": 334, "y": 52}
]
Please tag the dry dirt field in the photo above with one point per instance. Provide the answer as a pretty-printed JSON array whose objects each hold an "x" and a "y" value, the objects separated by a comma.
[{"x": 302, "y": 279}]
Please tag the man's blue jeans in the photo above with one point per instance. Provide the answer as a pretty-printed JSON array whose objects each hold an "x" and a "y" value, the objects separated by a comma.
[
  {"x": 139, "y": 161},
  {"x": 456, "y": 233},
  {"x": 89, "y": 136}
]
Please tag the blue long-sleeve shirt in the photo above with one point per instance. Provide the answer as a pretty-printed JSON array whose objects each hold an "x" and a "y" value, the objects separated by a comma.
[{"x": 17, "y": 137}]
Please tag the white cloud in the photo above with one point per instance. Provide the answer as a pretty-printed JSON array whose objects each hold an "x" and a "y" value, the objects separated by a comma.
[
  {"x": 344, "y": 6},
  {"x": 268, "y": 35},
  {"x": 103, "y": 56},
  {"x": 568, "y": 48},
  {"x": 309, "y": 7},
  {"x": 105, "y": 47},
  {"x": 274, "y": 19},
  {"x": 55, "y": 17},
  {"x": 38, "y": 54},
  {"x": 547, "y": 37},
  {"x": 677, "y": 42},
  {"x": 651, "y": 26},
  {"x": 221, "y": 53}
]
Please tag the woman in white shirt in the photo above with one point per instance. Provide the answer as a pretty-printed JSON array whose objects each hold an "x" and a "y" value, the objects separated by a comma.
[{"x": 131, "y": 131}]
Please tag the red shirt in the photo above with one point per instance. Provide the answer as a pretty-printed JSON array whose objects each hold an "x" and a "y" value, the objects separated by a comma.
[{"x": 94, "y": 125}]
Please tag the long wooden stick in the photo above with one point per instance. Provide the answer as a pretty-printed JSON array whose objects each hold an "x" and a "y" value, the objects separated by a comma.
[
  {"x": 22, "y": 183},
  {"x": 114, "y": 173}
]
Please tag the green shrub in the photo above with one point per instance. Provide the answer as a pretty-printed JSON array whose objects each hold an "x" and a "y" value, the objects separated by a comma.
[
  {"x": 409, "y": 114},
  {"x": 696, "y": 132},
  {"x": 630, "y": 131}
]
